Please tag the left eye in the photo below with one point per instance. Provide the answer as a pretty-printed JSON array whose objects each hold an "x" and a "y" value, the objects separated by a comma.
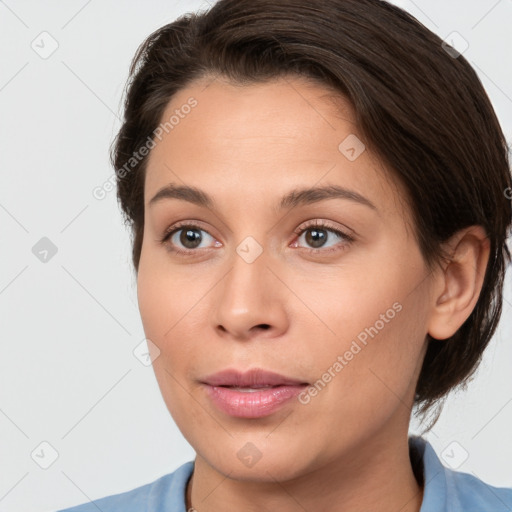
[{"x": 317, "y": 234}]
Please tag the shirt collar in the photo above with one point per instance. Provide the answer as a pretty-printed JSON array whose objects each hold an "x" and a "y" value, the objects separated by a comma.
[{"x": 434, "y": 476}]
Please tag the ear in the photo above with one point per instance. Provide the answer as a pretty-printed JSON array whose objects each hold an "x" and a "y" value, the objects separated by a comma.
[{"x": 458, "y": 285}]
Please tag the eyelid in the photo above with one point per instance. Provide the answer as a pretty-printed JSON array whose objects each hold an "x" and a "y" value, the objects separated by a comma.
[
  {"x": 186, "y": 223},
  {"x": 326, "y": 224}
]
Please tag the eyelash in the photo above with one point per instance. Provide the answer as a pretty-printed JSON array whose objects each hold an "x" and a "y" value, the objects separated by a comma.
[{"x": 348, "y": 239}]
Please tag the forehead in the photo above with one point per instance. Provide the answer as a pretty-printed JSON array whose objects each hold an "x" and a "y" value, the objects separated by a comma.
[{"x": 247, "y": 140}]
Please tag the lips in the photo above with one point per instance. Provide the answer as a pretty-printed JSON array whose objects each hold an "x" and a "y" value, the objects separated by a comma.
[
  {"x": 254, "y": 378},
  {"x": 252, "y": 394}
]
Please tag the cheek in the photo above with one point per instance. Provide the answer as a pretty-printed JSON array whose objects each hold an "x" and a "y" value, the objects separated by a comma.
[
  {"x": 173, "y": 307},
  {"x": 161, "y": 308},
  {"x": 165, "y": 294},
  {"x": 165, "y": 316},
  {"x": 373, "y": 326},
  {"x": 367, "y": 374},
  {"x": 152, "y": 296}
]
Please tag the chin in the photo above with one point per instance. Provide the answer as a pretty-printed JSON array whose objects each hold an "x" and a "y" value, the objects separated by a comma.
[{"x": 249, "y": 458}]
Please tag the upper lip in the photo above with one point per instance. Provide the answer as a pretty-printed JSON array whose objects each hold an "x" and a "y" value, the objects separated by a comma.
[{"x": 252, "y": 378}]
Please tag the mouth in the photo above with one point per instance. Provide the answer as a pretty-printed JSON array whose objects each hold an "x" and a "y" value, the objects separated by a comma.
[
  {"x": 253, "y": 394},
  {"x": 255, "y": 378}
]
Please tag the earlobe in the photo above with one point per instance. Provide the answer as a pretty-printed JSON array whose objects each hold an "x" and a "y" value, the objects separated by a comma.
[{"x": 460, "y": 282}]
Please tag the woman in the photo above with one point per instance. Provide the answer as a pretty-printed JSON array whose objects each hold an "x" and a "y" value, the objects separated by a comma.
[{"x": 318, "y": 197}]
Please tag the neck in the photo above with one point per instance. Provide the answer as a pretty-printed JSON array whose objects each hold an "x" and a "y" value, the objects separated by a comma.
[{"x": 379, "y": 477}]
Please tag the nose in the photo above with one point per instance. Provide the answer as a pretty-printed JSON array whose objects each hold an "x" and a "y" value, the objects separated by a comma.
[{"x": 250, "y": 301}]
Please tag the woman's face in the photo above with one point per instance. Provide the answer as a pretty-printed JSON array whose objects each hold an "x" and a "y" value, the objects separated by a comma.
[{"x": 259, "y": 286}]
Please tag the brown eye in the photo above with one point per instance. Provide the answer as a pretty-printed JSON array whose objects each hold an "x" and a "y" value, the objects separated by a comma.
[
  {"x": 185, "y": 238},
  {"x": 316, "y": 237},
  {"x": 319, "y": 235},
  {"x": 190, "y": 238}
]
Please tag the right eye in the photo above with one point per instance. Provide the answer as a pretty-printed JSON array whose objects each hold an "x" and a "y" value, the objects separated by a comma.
[{"x": 184, "y": 238}]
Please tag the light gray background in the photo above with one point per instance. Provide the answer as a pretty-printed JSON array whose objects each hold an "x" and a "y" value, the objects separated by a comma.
[{"x": 68, "y": 375}]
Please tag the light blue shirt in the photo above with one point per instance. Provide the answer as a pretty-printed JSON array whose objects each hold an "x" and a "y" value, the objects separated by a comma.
[{"x": 445, "y": 490}]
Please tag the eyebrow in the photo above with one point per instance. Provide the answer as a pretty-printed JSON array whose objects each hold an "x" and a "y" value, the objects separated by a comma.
[{"x": 295, "y": 198}]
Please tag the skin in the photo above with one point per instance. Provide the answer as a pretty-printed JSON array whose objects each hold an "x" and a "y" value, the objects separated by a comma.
[{"x": 346, "y": 450}]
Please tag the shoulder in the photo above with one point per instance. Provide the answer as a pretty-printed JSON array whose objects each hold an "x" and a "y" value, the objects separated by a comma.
[
  {"x": 166, "y": 493},
  {"x": 469, "y": 493},
  {"x": 446, "y": 489}
]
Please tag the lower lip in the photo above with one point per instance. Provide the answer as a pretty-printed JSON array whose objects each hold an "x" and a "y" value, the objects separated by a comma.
[{"x": 251, "y": 404}]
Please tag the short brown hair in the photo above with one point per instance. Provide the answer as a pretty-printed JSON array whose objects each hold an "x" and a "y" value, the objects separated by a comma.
[{"x": 419, "y": 107}]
